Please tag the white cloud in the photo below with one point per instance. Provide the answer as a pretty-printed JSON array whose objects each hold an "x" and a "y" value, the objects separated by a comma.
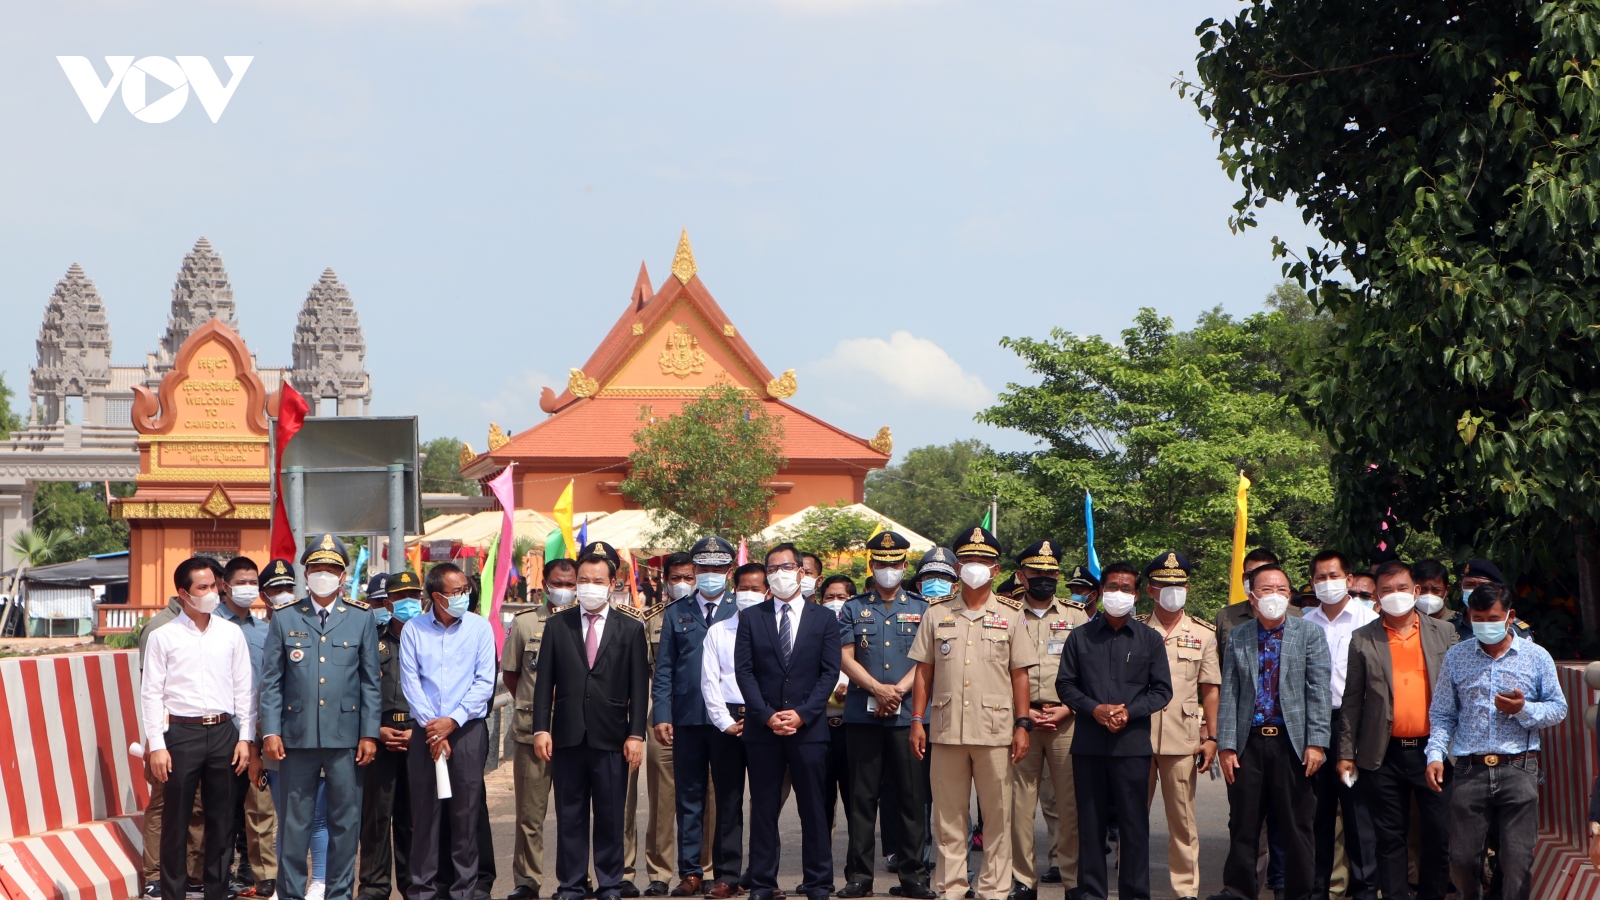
[
  {"x": 915, "y": 369},
  {"x": 515, "y": 406}
]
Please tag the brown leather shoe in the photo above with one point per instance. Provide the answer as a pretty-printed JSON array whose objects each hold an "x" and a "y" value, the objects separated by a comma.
[
  {"x": 721, "y": 890},
  {"x": 690, "y": 886}
]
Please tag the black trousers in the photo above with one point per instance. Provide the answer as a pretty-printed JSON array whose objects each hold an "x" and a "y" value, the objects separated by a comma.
[
  {"x": 1398, "y": 782},
  {"x": 879, "y": 756},
  {"x": 806, "y": 765},
  {"x": 1107, "y": 785},
  {"x": 202, "y": 758},
  {"x": 1360, "y": 846},
  {"x": 468, "y": 749},
  {"x": 1270, "y": 776},
  {"x": 696, "y": 750},
  {"x": 386, "y": 824},
  {"x": 836, "y": 786},
  {"x": 486, "y": 869},
  {"x": 585, "y": 779}
]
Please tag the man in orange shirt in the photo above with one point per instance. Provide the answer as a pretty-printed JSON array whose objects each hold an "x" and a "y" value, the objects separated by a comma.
[{"x": 1393, "y": 663}]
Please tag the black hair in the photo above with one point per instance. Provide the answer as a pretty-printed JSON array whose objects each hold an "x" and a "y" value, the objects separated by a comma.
[
  {"x": 746, "y": 569},
  {"x": 1250, "y": 577},
  {"x": 239, "y": 564},
  {"x": 1485, "y": 597},
  {"x": 1389, "y": 567},
  {"x": 1430, "y": 569},
  {"x": 433, "y": 582},
  {"x": 814, "y": 558},
  {"x": 1262, "y": 555},
  {"x": 785, "y": 547},
  {"x": 675, "y": 560},
  {"x": 1324, "y": 556},
  {"x": 611, "y": 565},
  {"x": 832, "y": 580},
  {"x": 560, "y": 562},
  {"x": 184, "y": 575},
  {"x": 1120, "y": 566}
]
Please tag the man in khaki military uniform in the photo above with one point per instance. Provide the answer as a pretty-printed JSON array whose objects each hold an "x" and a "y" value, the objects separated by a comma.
[
  {"x": 973, "y": 655},
  {"x": 1187, "y": 726},
  {"x": 531, "y": 775},
  {"x": 1047, "y": 619}
]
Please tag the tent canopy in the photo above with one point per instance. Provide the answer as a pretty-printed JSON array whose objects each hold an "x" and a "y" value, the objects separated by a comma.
[
  {"x": 783, "y": 528},
  {"x": 479, "y": 529},
  {"x": 107, "y": 568}
]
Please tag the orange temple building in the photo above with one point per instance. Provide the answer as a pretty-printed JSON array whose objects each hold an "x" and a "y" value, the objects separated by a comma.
[{"x": 666, "y": 348}]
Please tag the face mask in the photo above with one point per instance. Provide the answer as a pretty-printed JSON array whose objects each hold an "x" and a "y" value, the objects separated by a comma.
[
  {"x": 1081, "y": 598},
  {"x": 746, "y": 599},
  {"x": 205, "y": 603},
  {"x": 1489, "y": 632},
  {"x": 1331, "y": 592},
  {"x": 457, "y": 605},
  {"x": 711, "y": 584},
  {"x": 1398, "y": 603},
  {"x": 1117, "y": 603},
  {"x": 323, "y": 584},
  {"x": 382, "y": 614},
  {"x": 279, "y": 598},
  {"x": 679, "y": 590},
  {"x": 936, "y": 587},
  {"x": 1369, "y": 604},
  {"x": 1428, "y": 604},
  {"x": 808, "y": 586},
  {"x": 1466, "y": 594},
  {"x": 783, "y": 584},
  {"x": 1042, "y": 587},
  {"x": 407, "y": 609},
  {"x": 976, "y": 575},
  {"x": 561, "y": 596},
  {"x": 244, "y": 594},
  {"x": 888, "y": 578},
  {"x": 593, "y": 597},
  {"x": 1272, "y": 606},
  {"x": 1173, "y": 598},
  {"x": 835, "y": 605}
]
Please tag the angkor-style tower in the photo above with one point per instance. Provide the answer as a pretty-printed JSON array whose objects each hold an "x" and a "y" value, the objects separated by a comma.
[
  {"x": 202, "y": 292},
  {"x": 74, "y": 346},
  {"x": 329, "y": 351}
]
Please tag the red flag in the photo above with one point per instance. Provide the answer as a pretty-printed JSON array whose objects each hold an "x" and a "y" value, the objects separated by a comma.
[{"x": 292, "y": 411}]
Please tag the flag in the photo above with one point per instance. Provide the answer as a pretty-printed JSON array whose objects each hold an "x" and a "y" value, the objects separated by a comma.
[
  {"x": 1241, "y": 524},
  {"x": 292, "y": 411},
  {"x": 554, "y": 548},
  {"x": 414, "y": 558},
  {"x": 633, "y": 579},
  {"x": 583, "y": 536},
  {"x": 485, "y": 602},
  {"x": 744, "y": 553},
  {"x": 500, "y": 486},
  {"x": 987, "y": 525},
  {"x": 1088, "y": 524},
  {"x": 563, "y": 517},
  {"x": 355, "y": 572}
]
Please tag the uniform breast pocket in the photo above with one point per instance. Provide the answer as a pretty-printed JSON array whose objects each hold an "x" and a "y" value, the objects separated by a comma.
[
  {"x": 909, "y": 629},
  {"x": 343, "y": 656},
  {"x": 530, "y": 654},
  {"x": 1189, "y": 658},
  {"x": 866, "y": 633},
  {"x": 996, "y": 645}
]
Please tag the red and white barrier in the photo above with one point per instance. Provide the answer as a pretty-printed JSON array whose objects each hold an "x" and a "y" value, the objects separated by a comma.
[
  {"x": 1561, "y": 867},
  {"x": 97, "y": 861}
]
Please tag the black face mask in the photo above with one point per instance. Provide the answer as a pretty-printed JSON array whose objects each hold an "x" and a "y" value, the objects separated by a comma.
[{"x": 1041, "y": 587}]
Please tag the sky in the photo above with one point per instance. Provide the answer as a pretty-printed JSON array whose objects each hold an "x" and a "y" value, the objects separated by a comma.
[{"x": 877, "y": 191}]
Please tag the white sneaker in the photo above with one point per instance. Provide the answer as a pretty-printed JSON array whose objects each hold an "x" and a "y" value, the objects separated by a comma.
[{"x": 316, "y": 890}]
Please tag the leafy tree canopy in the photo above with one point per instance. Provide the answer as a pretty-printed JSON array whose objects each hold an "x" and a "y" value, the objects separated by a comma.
[
  {"x": 441, "y": 471},
  {"x": 9, "y": 420},
  {"x": 928, "y": 490},
  {"x": 79, "y": 515},
  {"x": 835, "y": 534}
]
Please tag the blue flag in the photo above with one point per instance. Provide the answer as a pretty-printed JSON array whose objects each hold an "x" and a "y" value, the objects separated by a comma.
[
  {"x": 1088, "y": 524},
  {"x": 583, "y": 535}
]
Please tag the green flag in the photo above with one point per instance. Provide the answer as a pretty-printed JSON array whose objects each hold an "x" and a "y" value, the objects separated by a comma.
[
  {"x": 486, "y": 578},
  {"x": 987, "y": 526},
  {"x": 554, "y": 546}
]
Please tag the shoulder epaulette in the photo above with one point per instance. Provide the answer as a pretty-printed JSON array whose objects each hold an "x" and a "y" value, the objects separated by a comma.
[
  {"x": 1071, "y": 603},
  {"x": 1204, "y": 624},
  {"x": 561, "y": 609},
  {"x": 630, "y": 612},
  {"x": 941, "y": 600},
  {"x": 523, "y": 612},
  {"x": 285, "y": 604},
  {"x": 358, "y": 604},
  {"x": 673, "y": 603},
  {"x": 1142, "y": 617},
  {"x": 1007, "y": 601},
  {"x": 654, "y": 609}
]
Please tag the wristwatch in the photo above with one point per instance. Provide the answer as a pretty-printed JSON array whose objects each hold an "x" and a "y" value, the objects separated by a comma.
[{"x": 1025, "y": 723}]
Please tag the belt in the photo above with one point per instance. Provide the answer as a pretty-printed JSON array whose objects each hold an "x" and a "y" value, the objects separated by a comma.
[
  {"x": 835, "y": 721},
  {"x": 400, "y": 717},
  {"x": 1267, "y": 730},
  {"x": 1043, "y": 704},
  {"x": 1499, "y": 759},
  {"x": 1408, "y": 743},
  {"x": 200, "y": 720},
  {"x": 737, "y": 711}
]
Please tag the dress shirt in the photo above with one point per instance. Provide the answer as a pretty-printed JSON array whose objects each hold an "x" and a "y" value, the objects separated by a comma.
[
  {"x": 447, "y": 671},
  {"x": 1126, "y": 665},
  {"x": 796, "y": 607},
  {"x": 1269, "y": 647},
  {"x": 255, "y": 635},
  {"x": 1337, "y": 630},
  {"x": 1410, "y": 683},
  {"x": 189, "y": 672},
  {"x": 1464, "y": 719},
  {"x": 597, "y": 625},
  {"x": 717, "y": 682}
]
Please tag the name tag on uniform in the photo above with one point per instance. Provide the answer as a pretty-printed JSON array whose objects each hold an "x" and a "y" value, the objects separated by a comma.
[
  {"x": 948, "y": 620},
  {"x": 1060, "y": 626},
  {"x": 1054, "y": 648},
  {"x": 299, "y": 634},
  {"x": 995, "y": 622},
  {"x": 909, "y": 617}
]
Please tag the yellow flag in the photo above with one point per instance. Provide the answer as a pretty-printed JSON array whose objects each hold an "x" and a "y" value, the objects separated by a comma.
[
  {"x": 563, "y": 517},
  {"x": 1241, "y": 523}
]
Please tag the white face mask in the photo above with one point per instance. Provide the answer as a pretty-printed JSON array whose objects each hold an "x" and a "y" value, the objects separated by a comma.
[
  {"x": 808, "y": 586},
  {"x": 746, "y": 599},
  {"x": 279, "y": 598},
  {"x": 593, "y": 597},
  {"x": 835, "y": 605},
  {"x": 783, "y": 584},
  {"x": 1117, "y": 603},
  {"x": 1331, "y": 592},
  {"x": 323, "y": 584},
  {"x": 1398, "y": 603},
  {"x": 975, "y": 575},
  {"x": 204, "y": 603},
  {"x": 680, "y": 589},
  {"x": 1428, "y": 604},
  {"x": 244, "y": 594},
  {"x": 1272, "y": 606},
  {"x": 560, "y": 596},
  {"x": 889, "y": 578},
  {"x": 1172, "y": 598}
]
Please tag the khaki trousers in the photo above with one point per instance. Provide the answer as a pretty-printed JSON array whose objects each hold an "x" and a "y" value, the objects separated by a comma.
[
  {"x": 1178, "y": 778},
  {"x": 955, "y": 770},
  {"x": 1046, "y": 750},
  {"x": 152, "y": 832},
  {"x": 261, "y": 832},
  {"x": 661, "y": 823},
  {"x": 530, "y": 777}
]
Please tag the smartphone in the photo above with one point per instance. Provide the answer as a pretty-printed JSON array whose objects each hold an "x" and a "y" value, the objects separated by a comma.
[
  {"x": 1508, "y": 692},
  {"x": 872, "y": 704}
]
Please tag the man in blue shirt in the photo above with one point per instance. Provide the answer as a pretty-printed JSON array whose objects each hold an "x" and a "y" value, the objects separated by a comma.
[
  {"x": 256, "y": 820},
  {"x": 1493, "y": 695},
  {"x": 447, "y": 671}
]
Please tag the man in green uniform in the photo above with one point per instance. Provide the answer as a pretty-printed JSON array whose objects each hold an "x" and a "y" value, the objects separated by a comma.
[{"x": 386, "y": 796}]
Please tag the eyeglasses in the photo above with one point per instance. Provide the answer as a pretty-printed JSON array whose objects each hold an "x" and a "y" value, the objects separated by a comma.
[
  {"x": 782, "y": 567},
  {"x": 1361, "y": 595}
]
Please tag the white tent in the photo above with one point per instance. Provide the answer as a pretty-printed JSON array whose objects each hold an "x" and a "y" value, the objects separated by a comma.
[
  {"x": 478, "y": 529},
  {"x": 784, "y": 528}
]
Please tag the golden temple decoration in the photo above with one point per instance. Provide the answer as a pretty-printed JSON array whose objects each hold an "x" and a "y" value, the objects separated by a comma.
[
  {"x": 467, "y": 456},
  {"x": 683, "y": 356},
  {"x": 217, "y": 503},
  {"x": 728, "y": 330},
  {"x": 784, "y": 386},
  {"x": 497, "y": 438},
  {"x": 683, "y": 261},
  {"x": 150, "y": 509},
  {"x": 883, "y": 443},
  {"x": 580, "y": 384},
  {"x": 638, "y": 328}
]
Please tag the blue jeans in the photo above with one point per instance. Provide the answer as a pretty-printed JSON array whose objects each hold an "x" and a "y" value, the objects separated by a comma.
[{"x": 319, "y": 827}]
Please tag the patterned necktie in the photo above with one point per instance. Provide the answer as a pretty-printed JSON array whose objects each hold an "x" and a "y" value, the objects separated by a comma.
[
  {"x": 323, "y": 612},
  {"x": 785, "y": 633},
  {"x": 591, "y": 641}
]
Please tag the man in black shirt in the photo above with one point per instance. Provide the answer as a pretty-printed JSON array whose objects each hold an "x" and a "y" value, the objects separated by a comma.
[{"x": 1114, "y": 675}]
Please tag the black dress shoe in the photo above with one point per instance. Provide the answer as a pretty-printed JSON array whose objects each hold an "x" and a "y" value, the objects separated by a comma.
[
  {"x": 1053, "y": 876},
  {"x": 653, "y": 889},
  {"x": 523, "y": 892},
  {"x": 856, "y": 889},
  {"x": 1022, "y": 893},
  {"x": 916, "y": 890},
  {"x": 628, "y": 889}
]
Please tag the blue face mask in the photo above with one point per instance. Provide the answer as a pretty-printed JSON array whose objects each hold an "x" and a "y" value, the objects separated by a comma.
[
  {"x": 1489, "y": 632},
  {"x": 1466, "y": 594},
  {"x": 405, "y": 609},
  {"x": 1080, "y": 598},
  {"x": 936, "y": 587},
  {"x": 459, "y": 605},
  {"x": 383, "y": 615},
  {"x": 710, "y": 584}
]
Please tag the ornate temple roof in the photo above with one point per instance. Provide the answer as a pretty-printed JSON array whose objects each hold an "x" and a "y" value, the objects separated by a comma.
[
  {"x": 74, "y": 341},
  {"x": 329, "y": 351},
  {"x": 202, "y": 292}
]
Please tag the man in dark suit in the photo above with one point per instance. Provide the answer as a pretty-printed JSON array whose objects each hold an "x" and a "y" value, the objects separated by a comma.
[
  {"x": 591, "y": 697},
  {"x": 1383, "y": 731},
  {"x": 786, "y": 660}
]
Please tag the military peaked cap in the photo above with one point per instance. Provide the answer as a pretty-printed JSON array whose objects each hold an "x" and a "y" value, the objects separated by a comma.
[
  {"x": 279, "y": 573},
  {"x": 1170, "y": 567},
  {"x": 1083, "y": 578},
  {"x": 888, "y": 547},
  {"x": 1041, "y": 556},
  {"x": 712, "y": 551},
  {"x": 978, "y": 542},
  {"x": 1482, "y": 568},
  {"x": 378, "y": 587},
  {"x": 326, "y": 549},
  {"x": 940, "y": 561},
  {"x": 403, "y": 581}
]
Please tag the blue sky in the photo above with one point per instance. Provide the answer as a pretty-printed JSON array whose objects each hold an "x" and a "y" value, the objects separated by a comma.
[{"x": 877, "y": 190}]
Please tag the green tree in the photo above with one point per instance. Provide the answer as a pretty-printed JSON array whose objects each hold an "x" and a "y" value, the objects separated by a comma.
[
  {"x": 708, "y": 465},
  {"x": 80, "y": 513},
  {"x": 441, "y": 471},
  {"x": 1157, "y": 428},
  {"x": 928, "y": 490},
  {"x": 39, "y": 548},
  {"x": 833, "y": 533},
  {"x": 1446, "y": 154},
  {"x": 9, "y": 421}
]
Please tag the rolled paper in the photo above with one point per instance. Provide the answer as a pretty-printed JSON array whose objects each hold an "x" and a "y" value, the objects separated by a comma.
[
  {"x": 441, "y": 777},
  {"x": 136, "y": 750}
]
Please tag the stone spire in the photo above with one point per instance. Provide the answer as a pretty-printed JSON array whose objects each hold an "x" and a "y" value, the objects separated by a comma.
[
  {"x": 329, "y": 351},
  {"x": 201, "y": 292},
  {"x": 74, "y": 345}
]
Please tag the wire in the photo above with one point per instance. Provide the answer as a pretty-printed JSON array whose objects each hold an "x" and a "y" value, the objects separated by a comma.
[{"x": 883, "y": 473}]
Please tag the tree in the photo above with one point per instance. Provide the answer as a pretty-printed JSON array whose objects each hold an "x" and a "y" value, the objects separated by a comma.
[
  {"x": 1157, "y": 429},
  {"x": 928, "y": 490},
  {"x": 709, "y": 465},
  {"x": 80, "y": 513},
  {"x": 1445, "y": 153},
  {"x": 441, "y": 471},
  {"x": 9, "y": 421},
  {"x": 39, "y": 548},
  {"x": 836, "y": 535}
]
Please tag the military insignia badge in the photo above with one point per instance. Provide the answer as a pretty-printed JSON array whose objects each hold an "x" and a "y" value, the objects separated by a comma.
[
  {"x": 944, "y": 647},
  {"x": 866, "y": 614},
  {"x": 304, "y": 634},
  {"x": 888, "y": 541},
  {"x": 296, "y": 655},
  {"x": 1060, "y": 626}
]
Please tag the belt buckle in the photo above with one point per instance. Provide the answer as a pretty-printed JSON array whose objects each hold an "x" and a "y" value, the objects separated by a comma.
[
  {"x": 399, "y": 717},
  {"x": 1410, "y": 743},
  {"x": 210, "y": 720},
  {"x": 1269, "y": 731},
  {"x": 1491, "y": 759}
]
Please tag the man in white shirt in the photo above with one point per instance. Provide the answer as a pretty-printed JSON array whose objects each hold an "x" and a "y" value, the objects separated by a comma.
[
  {"x": 198, "y": 699},
  {"x": 1338, "y": 616},
  {"x": 725, "y": 704}
]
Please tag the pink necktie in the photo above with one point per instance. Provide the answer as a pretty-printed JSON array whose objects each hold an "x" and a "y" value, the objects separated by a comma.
[{"x": 591, "y": 641}]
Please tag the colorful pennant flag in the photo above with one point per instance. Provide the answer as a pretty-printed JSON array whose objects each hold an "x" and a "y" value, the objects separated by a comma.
[
  {"x": 501, "y": 487},
  {"x": 1241, "y": 525},
  {"x": 292, "y": 409},
  {"x": 563, "y": 517},
  {"x": 1088, "y": 524}
]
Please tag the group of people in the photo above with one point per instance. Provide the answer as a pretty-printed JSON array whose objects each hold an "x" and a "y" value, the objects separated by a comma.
[{"x": 1332, "y": 713}]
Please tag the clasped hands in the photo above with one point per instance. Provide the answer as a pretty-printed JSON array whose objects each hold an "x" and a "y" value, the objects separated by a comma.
[
  {"x": 1114, "y": 716},
  {"x": 1051, "y": 719},
  {"x": 889, "y": 699},
  {"x": 544, "y": 747},
  {"x": 784, "y": 722}
]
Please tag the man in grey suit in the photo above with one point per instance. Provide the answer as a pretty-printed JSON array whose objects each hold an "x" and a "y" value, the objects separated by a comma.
[
  {"x": 1274, "y": 727},
  {"x": 1394, "y": 663}
]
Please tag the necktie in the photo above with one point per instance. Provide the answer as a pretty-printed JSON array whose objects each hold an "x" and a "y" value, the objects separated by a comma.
[
  {"x": 591, "y": 641},
  {"x": 785, "y": 633},
  {"x": 711, "y": 609},
  {"x": 323, "y": 612}
]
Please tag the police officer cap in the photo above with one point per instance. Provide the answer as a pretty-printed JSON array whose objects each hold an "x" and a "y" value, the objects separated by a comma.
[
  {"x": 888, "y": 547},
  {"x": 601, "y": 548},
  {"x": 403, "y": 581},
  {"x": 1170, "y": 567},
  {"x": 712, "y": 551},
  {"x": 1042, "y": 556},
  {"x": 939, "y": 561},
  {"x": 978, "y": 542},
  {"x": 378, "y": 587},
  {"x": 326, "y": 549},
  {"x": 1011, "y": 588},
  {"x": 279, "y": 573},
  {"x": 1482, "y": 568},
  {"x": 1083, "y": 578}
]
